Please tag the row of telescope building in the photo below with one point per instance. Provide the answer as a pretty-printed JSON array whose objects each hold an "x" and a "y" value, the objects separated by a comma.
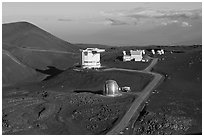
[{"x": 90, "y": 57}]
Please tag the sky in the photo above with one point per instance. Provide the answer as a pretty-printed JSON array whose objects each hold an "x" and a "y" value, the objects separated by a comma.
[{"x": 115, "y": 24}]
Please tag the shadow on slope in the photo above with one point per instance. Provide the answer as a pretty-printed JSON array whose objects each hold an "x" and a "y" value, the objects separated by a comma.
[
  {"x": 52, "y": 72},
  {"x": 100, "y": 92}
]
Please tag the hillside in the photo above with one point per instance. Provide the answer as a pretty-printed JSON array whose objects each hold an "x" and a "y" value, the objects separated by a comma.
[
  {"x": 40, "y": 59},
  {"x": 177, "y": 102},
  {"x": 92, "y": 81},
  {"x": 35, "y": 49},
  {"x": 14, "y": 71},
  {"x": 24, "y": 34}
]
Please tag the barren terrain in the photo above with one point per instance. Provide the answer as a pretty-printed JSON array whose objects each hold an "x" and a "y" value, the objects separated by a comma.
[{"x": 45, "y": 91}]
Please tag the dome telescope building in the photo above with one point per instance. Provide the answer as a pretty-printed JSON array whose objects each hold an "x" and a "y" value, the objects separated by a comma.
[{"x": 111, "y": 88}]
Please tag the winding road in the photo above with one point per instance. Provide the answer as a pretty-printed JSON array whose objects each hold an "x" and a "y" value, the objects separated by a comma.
[{"x": 144, "y": 94}]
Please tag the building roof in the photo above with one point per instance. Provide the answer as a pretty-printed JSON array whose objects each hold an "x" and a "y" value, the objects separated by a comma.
[
  {"x": 92, "y": 49},
  {"x": 135, "y": 52},
  {"x": 111, "y": 88}
]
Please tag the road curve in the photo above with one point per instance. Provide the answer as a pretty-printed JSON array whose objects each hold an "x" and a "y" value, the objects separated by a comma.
[{"x": 140, "y": 99}]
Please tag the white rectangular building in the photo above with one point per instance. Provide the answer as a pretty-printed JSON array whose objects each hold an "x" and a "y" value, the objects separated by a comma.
[
  {"x": 136, "y": 55},
  {"x": 90, "y": 58}
]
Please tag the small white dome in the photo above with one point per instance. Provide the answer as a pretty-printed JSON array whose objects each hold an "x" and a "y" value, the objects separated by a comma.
[{"x": 111, "y": 88}]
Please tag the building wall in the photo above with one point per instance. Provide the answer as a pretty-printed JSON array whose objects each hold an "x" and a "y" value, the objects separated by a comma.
[
  {"x": 91, "y": 59},
  {"x": 126, "y": 58},
  {"x": 136, "y": 55},
  {"x": 82, "y": 58},
  {"x": 137, "y": 52}
]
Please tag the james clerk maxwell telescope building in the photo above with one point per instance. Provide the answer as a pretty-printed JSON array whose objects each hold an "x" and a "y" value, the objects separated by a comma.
[{"x": 90, "y": 57}]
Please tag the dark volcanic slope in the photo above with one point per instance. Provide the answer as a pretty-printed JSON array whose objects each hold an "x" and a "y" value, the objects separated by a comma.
[
  {"x": 42, "y": 59},
  {"x": 177, "y": 106},
  {"x": 35, "y": 49},
  {"x": 55, "y": 113},
  {"x": 82, "y": 81},
  {"x": 14, "y": 71},
  {"x": 24, "y": 34}
]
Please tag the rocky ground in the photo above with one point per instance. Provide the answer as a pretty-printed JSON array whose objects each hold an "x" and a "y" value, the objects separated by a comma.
[
  {"x": 162, "y": 124},
  {"x": 50, "y": 112},
  {"x": 175, "y": 107}
]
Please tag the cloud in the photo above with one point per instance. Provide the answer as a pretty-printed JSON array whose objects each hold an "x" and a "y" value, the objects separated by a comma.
[
  {"x": 115, "y": 22},
  {"x": 159, "y": 14},
  {"x": 185, "y": 24},
  {"x": 179, "y": 14},
  {"x": 145, "y": 15},
  {"x": 169, "y": 22}
]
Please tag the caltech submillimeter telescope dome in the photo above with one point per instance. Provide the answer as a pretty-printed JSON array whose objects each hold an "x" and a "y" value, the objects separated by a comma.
[{"x": 111, "y": 88}]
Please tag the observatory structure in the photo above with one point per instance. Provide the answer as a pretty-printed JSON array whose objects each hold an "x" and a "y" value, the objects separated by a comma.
[
  {"x": 111, "y": 88},
  {"x": 136, "y": 55},
  {"x": 90, "y": 57}
]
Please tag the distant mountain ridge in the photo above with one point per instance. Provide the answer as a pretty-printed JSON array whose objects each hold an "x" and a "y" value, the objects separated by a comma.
[
  {"x": 24, "y": 34},
  {"x": 83, "y": 46}
]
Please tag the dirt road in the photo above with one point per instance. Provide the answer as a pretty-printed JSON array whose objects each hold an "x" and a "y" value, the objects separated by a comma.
[
  {"x": 44, "y": 50},
  {"x": 141, "y": 98},
  {"x": 13, "y": 57}
]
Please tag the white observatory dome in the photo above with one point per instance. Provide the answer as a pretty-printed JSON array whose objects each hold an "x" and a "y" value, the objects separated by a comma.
[{"x": 111, "y": 88}]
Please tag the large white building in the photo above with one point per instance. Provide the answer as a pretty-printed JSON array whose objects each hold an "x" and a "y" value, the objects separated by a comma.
[
  {"x": 90, "y": 58},
  {"x": 136, "y": 55}
]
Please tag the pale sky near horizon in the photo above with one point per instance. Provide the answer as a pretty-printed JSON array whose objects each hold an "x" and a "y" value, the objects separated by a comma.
[{"x": 115, "y": 23}]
